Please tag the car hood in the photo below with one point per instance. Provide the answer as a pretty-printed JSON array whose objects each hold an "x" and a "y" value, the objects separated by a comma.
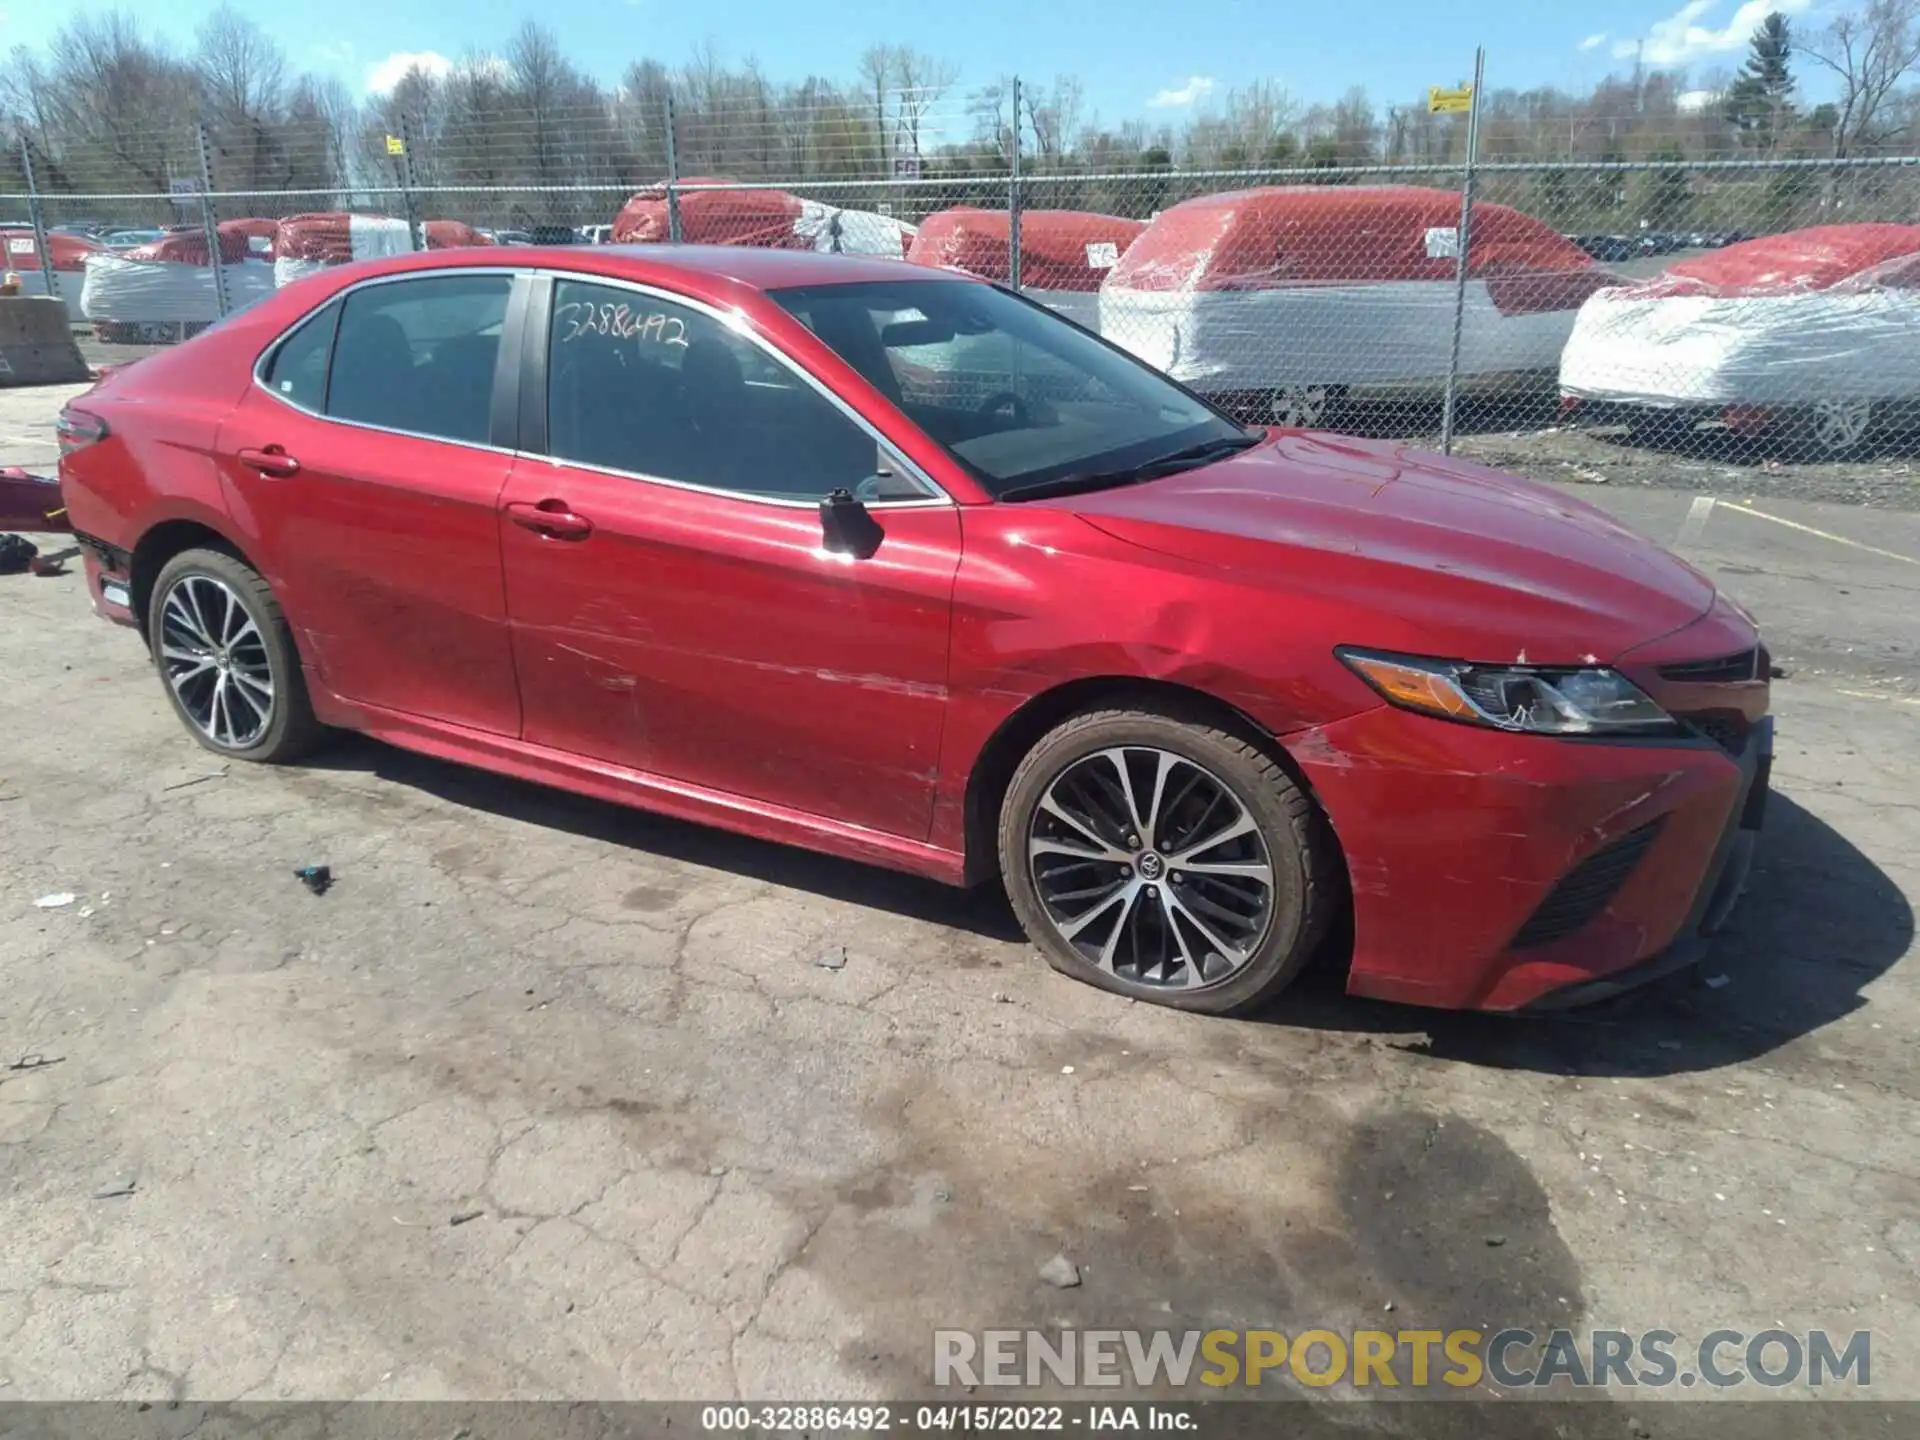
[{"x": 1446, "y": 556}]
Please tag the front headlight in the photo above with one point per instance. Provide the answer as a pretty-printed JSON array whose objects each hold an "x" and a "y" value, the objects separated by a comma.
[{"x": 1533, "y": 699}]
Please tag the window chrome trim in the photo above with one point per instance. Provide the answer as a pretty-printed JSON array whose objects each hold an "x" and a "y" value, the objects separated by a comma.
[
  {"x": 339, "y": 297},
  {"x": 937, "y": 495}
]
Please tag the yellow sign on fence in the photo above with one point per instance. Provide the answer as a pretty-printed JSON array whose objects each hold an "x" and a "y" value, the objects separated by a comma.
[
  {"x": 1442, "y": 101},
  {"x": 395, "y": 145}
]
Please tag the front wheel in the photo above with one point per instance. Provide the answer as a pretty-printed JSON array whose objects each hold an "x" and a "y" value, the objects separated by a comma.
[
  {"x": 1164, "y": 858},
  {"x": 228, "y": 660},
  {"x": 1303, "y": 407}
]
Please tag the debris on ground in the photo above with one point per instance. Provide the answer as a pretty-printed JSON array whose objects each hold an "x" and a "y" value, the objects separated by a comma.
[
  {"x": 199, "y": 779},
  {"x": 834, "y": 957},
  {"x": 1716, "y": 982},
  {"x": 317, "y": 878},
  {"x": 57, "y": 901},
  {"x": 35, "y": 1061},
  {"x": 1061, "y": 1273},
  {"x": 465, "y": 1215},
  {"x": 1494, "y": 1242},
  {"x": 119, "y": 1189},
  {"x": 49, "y": 566},
  {"x": 16, "y": 554}
]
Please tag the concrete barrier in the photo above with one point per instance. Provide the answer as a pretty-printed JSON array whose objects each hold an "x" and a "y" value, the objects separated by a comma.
[{"x": 36, "y": 343}]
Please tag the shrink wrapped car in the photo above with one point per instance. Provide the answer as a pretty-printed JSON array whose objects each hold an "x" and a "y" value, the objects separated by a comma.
[
  {"x": 1284, "y": 300},
  {"x": 1815, "y": 332}
]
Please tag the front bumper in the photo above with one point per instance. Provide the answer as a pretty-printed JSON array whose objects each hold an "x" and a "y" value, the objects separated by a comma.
[{"x": 1455, "y": 836}]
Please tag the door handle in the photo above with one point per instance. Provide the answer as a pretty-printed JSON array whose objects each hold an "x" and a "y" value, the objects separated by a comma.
[
  {"x": 270, "y": 460},
  {"x": 551, "y": 518}
]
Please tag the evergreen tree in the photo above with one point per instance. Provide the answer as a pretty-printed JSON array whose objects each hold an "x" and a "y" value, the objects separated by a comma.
[{"x": 1759, "y": 103}]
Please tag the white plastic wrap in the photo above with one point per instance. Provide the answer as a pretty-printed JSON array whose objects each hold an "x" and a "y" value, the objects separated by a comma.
[
  {"x": 1682, "y": 350},
  {"x": 1080, "y": 306},
  {"x": 368, "y": 237},
  {"x": 289, "y": 268},
  {"x": 68, "y": 282},
  {"x": 164, "y": 291},
  {"x": 852, "y": 232},
  {"x": 1393, "y": 335}
]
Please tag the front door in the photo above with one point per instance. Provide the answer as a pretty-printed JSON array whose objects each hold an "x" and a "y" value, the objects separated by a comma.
[
  {"x": 673, "y": 608},
  {"x": 363, "y": 465}
]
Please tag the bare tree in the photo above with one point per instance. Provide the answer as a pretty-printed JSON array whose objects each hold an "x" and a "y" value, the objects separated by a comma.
[
  {"x": 877, "y": 70},
  {"x": 923, "y": 81},
  {"x": 242, "y": 80},
  {"x": 1870, "y": 53},
  {"x": 1055, "y": 113}
]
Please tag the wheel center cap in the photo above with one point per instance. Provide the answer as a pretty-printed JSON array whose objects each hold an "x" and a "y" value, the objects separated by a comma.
[{"x": 1152, "y": 867}]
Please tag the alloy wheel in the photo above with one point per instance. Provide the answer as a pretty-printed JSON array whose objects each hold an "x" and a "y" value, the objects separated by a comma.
[
  {"x": 215, "y": 660},
  {"x": 1151, "y": 868},
  {"x": 1301, "y": 406},
  {"x": 1838, "y": 426}
]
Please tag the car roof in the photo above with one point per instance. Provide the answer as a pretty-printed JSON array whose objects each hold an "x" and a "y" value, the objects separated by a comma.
[{"x": 695, "y": 268}]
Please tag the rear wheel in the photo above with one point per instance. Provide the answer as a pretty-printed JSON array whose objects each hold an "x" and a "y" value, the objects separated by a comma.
[
  {"x": 1833, "y": 428},
  {"x": 1167, "y": 859},
  {"x": 227, "y": 658}
]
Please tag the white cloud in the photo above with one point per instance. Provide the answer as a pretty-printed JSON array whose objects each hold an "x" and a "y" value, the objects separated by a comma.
[
  {"x": 383, "y": 75},
  {"x": 333, "y": 52},
  {"x": 1197, "y": 88},
  {"x": 1594, "y": 42},
  {"x": 1680, "y": 39},
  {"x": 490, "y": 66},
  {"x": 1690, "y": 102}
]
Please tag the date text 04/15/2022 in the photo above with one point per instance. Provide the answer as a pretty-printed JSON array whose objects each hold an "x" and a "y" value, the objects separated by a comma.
[{"x": 946, "y": 1419}]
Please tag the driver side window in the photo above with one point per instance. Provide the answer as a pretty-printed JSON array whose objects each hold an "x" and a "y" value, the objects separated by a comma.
[{"x": 639, "y": 384}]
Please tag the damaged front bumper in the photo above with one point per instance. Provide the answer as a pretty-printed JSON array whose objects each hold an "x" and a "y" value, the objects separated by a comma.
[{"x": 1505, "y": 872}]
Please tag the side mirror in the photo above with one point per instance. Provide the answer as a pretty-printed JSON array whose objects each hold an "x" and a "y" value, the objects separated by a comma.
[{"x": 847, "y": 527}]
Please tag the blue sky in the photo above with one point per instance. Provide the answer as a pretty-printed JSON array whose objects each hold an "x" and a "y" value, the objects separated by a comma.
[{"x": 1141, "y": 59}]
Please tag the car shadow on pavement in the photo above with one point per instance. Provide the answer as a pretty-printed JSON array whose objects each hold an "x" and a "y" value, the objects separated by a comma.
[
  {"x": 983, "y": 911},
  {"x": 1819, "y": 922}
]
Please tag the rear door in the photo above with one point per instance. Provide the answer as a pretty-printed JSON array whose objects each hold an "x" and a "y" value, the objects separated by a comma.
[
  {"x": 368, "y": 462},
  {"x": 673, "y": 607}
]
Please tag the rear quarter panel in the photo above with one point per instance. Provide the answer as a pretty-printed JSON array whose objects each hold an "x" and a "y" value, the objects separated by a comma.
[{"x": 163, "y": 416}]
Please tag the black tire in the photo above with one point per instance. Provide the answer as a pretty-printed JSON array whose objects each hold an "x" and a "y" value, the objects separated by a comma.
[
  {"x": 1659, "y": 430},
  {"x": 291, "y": 729},
  {"x": 1299, "y": 846}
]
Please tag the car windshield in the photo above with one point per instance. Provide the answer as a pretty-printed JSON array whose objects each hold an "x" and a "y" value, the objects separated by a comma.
[{"x": 1030, "y": 404}]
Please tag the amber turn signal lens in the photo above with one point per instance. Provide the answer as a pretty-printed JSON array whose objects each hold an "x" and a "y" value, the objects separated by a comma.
[{"x": 1414, "y": 688}]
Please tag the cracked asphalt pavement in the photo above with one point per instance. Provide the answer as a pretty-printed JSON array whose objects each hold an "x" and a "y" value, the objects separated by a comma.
[{"x": 546, "y": 1098}]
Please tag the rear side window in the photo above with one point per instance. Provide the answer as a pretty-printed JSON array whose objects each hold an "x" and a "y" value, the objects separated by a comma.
[
  {"x": 419, "y": 355},
  {"x": 298, "y": 371}
]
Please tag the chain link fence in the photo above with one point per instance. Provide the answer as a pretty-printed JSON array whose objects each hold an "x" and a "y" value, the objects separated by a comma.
[{"x": 1751, "y": 309}]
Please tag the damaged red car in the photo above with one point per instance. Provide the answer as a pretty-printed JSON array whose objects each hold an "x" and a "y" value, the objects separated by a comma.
[{"x": 897, "y": 565}]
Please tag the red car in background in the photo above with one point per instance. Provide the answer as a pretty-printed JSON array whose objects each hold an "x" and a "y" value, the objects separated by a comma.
[{"x": 898, "y": 565}]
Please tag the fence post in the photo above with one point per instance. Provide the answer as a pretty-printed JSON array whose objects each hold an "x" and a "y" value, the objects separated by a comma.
[
  {"x": 403, "y": 168},
  {"x": 39, "y": 222},
  {"x": 673, "y": 177},
  {"x": 209, "y": 222},
  {"x": 1464, "y": 240},
  {"x": 1013, "y": 195}
]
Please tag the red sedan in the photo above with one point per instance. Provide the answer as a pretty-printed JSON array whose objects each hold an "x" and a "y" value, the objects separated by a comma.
[{"x": 895, "y": 564}]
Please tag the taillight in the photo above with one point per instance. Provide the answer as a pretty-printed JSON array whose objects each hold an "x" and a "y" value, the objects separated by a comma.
[{"x": 77, "y": 430}]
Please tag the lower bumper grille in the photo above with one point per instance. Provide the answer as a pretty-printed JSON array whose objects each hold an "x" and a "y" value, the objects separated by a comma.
[
  {"x": 1728, "y": 729},
  {"x": 1585, "y": 890}
]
